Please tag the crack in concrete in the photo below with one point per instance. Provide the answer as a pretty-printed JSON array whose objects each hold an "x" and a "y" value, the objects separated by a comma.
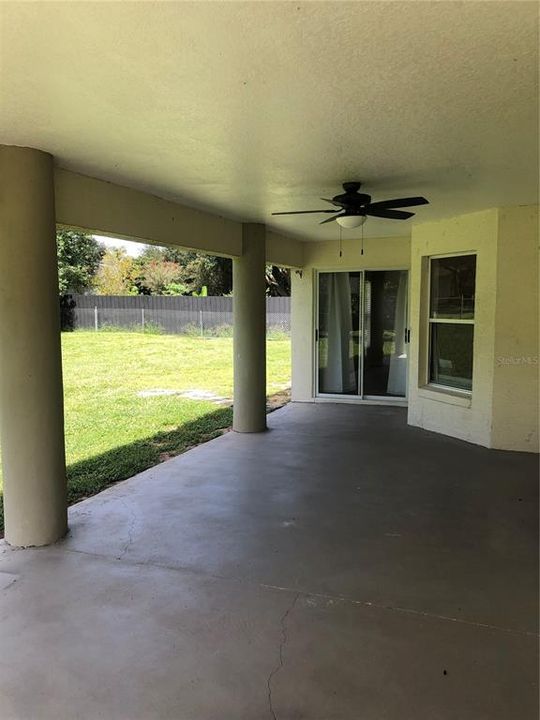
[
  {"x": 7, "y": 580},
  {"x": 306, "y": 593},
  {"x": 131, "y": 528},
  {"x": 278, "y": 667},
  {"x": 407, "y": 611}
]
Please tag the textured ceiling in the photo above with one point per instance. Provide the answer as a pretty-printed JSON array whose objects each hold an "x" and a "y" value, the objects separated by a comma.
[{"x": 249, "y": 108}]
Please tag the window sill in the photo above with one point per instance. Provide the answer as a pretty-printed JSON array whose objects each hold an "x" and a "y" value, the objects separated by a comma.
[{"x": 451, "y": 397}]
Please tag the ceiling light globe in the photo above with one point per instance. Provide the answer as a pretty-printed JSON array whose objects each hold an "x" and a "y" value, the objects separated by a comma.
[{"x": 351, "y": 221}]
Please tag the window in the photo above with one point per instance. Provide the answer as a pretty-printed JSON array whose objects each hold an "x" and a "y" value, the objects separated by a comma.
[{"x": 451, "y": 321}]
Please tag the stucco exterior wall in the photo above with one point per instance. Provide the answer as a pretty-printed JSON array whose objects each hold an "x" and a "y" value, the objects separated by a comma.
[
  {"x": 515, "y": 380},
  {"x": 468, "y": 418},
  {"x": 503, "y": 409},
  {"x": 379, "y": 254}
]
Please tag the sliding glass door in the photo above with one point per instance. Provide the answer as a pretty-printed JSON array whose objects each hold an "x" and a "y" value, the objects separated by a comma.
[
  {"x": 339, "y": 333},
  {"x": 385, "y": 325},
  {"x": 362, "y": 333}
]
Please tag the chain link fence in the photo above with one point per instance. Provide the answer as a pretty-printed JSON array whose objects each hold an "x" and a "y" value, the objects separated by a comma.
[{"x": 181, "y": 315}]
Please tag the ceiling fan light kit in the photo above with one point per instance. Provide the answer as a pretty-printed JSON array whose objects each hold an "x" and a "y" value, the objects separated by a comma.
[
  {"x": 352, "y": 207},
  {"x": 351, "y": 221}
]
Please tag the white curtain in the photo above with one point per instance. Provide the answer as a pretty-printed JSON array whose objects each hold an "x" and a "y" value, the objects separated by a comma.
[
  {"x": 339, "y": 375},
  {"x": 397, "y": 377}
]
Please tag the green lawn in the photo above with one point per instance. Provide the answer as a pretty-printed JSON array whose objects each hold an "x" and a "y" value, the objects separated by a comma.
[{"x": 112, "y": 432}]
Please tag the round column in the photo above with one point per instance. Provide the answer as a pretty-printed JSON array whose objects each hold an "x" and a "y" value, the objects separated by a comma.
[
  {"x": 31, "y": 398},
  {"x": 249, "y": 312}
]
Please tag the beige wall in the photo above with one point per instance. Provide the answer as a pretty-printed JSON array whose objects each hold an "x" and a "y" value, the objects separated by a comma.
[
  {"x": 379, "y": 253},
  {"x": 515, "y": 382},
  {"x": 468, "y": 418},
  {"x": 502, "y": 411}
]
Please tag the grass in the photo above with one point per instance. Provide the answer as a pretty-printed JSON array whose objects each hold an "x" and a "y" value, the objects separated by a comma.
[{"x": 111, "y": 432}]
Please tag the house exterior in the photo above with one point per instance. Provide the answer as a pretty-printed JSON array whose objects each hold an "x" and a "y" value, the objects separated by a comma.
[
  {"x": 371, "y": 327},
  {"x": 192, "y": 123},
  {"x": 497, "y": 406}
]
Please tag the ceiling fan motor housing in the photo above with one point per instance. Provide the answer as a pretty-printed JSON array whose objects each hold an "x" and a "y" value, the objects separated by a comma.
[{"x": 353, "y": 202}]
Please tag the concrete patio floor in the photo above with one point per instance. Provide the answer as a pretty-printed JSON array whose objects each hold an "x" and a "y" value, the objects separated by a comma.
[{"x": 342, "y": 566}]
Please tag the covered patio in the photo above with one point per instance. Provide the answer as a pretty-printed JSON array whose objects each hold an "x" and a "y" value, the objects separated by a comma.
[
  {"x": 341, "y": 565},
  {"x": 373, "y": 555}
]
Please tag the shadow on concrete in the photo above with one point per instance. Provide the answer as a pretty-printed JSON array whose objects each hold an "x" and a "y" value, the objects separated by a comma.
[{"x": 91, "y": 476}]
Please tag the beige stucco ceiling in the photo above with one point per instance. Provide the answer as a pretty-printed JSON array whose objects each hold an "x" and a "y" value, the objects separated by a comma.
[{"x": 249, "y": 108}]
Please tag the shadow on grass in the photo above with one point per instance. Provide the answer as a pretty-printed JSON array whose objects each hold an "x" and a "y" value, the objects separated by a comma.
[{"x": 91, "y": 476}]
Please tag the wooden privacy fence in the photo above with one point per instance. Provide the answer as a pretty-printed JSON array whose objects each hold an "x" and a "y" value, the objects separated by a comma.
[{"x": 171, "y": 314}]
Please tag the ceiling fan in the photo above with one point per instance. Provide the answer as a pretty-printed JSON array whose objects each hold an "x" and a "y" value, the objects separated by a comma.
[{"x": 353, "y": 207}]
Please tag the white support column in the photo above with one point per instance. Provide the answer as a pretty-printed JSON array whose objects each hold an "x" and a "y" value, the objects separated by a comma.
[
  {"x": 249, "y": 311},
  {"x": 31, "y": 402}
]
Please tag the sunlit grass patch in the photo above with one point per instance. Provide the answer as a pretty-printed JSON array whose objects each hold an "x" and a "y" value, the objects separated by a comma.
[{"x": 112, "y": 432}]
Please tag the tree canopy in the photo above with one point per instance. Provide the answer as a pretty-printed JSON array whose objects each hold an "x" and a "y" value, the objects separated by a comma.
[
  {"x": 85, "y": 265},
  {"x": 198, "y": 270},
  {"x": 79, "y": 257},
  {"x": 116, "y": 274}
]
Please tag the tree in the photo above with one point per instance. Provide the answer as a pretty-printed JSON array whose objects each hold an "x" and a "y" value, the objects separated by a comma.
[
  {"x": 157, "y": 275},
  {"x": 152, "y": 252},
  {"x": 196, "y": 271},
  {"x": 116, "y": 273},
  {"x": 278, "y": 281},
  {"x": 199, "y": 270},
  {"x": 79, "y": 256}
]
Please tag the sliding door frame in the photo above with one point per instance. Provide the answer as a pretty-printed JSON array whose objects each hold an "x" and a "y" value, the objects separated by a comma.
[{"x": 359, "y": 398}]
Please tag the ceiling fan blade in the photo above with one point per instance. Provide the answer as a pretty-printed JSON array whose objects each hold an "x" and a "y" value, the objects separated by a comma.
[
  {"x": 304, "y": 212},
  {"x": 400, "y": 202},
  {"x": 333, "y": 202},
  {"x": 332, "y": 218},
  {"x": 389, "y": 214}
]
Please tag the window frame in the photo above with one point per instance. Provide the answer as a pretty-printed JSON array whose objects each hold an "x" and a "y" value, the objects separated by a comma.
[{"x": 428, "y": 383}]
